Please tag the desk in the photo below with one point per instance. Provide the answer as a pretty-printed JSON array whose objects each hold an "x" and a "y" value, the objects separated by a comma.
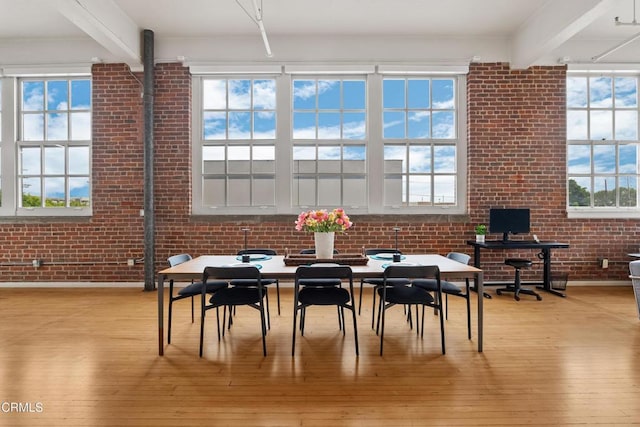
[
  {"x": 542, "y": 246},
  {"x": 276, "y": 269}
]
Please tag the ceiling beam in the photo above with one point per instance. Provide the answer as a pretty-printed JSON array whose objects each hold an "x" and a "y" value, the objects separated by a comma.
[
  {"x": 108, "y": 25},
  {"x": 552, "y": 25}
]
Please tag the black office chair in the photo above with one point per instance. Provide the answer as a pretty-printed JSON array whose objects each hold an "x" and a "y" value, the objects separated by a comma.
[
  {"x": 265, "y": 282},
  {"x": 319, "y": 290},
  {"x": 377, "y": 281},
  {"x": 516, "y": 287},
  {"x": 189, "y": 291},
  {"x": 391, "y": 295},
  {"x": 449, "y": 288},
  {"x": 249, "y": 295}
]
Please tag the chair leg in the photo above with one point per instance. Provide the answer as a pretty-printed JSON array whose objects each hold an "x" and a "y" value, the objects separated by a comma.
[
  {"x": 360, "y": 299},
  {"x": 467, "y": 297},
  {"x": 373, "y": 306},
  {"x": 355, "y": 330},
  {"x": 422, "y": 327},
  {"x": 446, "y": 306},
  {"x": 442, "y": 332},
  {"x": 264, "y": 330},
  {"x": 383, "y": 309},
  {"x": 278, "y": 295},
  {"x": 169, "y": 325},
  {"x": 192, "y": 317},
  {"x": 202, "y": 330}
]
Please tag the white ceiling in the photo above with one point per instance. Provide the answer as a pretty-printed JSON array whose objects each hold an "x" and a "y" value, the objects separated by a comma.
[{"x": 522, "y": 32}]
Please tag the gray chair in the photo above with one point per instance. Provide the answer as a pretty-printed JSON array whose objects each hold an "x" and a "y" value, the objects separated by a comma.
[
  {"x": 449, "y": 288},
  {"x": 391, "y": 295},
  {"x": 252, "y": 295},
  {"x": 190, "y": 291},
  {"x": 323, "y": 288}
]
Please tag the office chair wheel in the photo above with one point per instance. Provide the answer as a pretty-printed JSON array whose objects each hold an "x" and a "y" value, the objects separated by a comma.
[
  {"x": 498, "y": 292},
  {"x": 516, "y": 297},
  {"x": 538, "y": 297}
]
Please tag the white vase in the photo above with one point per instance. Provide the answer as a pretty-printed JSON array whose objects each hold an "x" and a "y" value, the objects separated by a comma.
[
  {"x": 324, "y": 245},
  {"x": 480, "y": 238}
]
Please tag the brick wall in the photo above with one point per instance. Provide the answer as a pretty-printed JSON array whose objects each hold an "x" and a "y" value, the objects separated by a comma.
[{"x": 516, "y": 155}]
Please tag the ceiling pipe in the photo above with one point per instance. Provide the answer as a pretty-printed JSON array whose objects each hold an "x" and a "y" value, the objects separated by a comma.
[{"x": 615, "y": 48}]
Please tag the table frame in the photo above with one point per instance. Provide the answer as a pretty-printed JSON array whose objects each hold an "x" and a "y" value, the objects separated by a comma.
[{"x": 275, "y": 268}]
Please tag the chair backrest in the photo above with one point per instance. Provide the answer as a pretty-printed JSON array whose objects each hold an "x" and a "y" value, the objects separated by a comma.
[
  {"x": 313, "y": 251},
  {"x": 460, "y": 257},
  {"x": 412, "y": 272},
  {"x": 376, "y": 251},
  {"x": 320, "y": 271},
  {"x": 257, "y": 251},
  {"x": 232, "y": 272},
  {"x": 178, "y": 259}
]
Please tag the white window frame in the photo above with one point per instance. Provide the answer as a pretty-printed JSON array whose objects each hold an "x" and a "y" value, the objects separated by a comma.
[
  {"x": 374, "y": 141},
  {"x": 10, "y": 143},
  {"x": 603, "y": 211}
]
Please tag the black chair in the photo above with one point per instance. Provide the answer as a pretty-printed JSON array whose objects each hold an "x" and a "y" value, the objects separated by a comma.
[
  {"x": 319, "y": 290},
  {"x": 377, "y": 281},
  {"x": 518, "y": 264},
  {"x": 189, "y": 291},
  {"x": 449, "y": 288},
  {"x": 265, "y": 282},
  {"x": 391, "y": 295},
  {"x": 233, "y": 296}
]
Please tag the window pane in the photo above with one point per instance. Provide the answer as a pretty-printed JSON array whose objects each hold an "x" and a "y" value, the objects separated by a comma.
[
  {"x": 264, "y": 125},
  {"x": 80, "y": 126},
  {"x": 80, "y": 94},
  {"x": 601, "y": 125},
  {"x": 33, "y": 127},
  {"x": 418, "y": 94},
  {"x": 355, "y": 190},
  {"x": 79, "y": 192},
  {"x": 443, "y": 125},
  {"x": 628, "y": 191},
  {"x": 444, "y": 159},
  {"x": 394, "y": 190},
  {"x": 263, "y": 191},
  {"x": 419, "y": 190},
  {"x": 600, "y": 92},
  {"x": 393, "y": 93},
  {"x": 239, "y": 191},
  {"x": 264, "y": 94},
  {"x": 214, "y": 192},
  {"x": 329, "y": 191},
  {"x": 304, "y": 191},
  {"x": 394, "y": 159},
  {"x": 577, "y": 125},
  {"x": 444, "y": 188},
  {"x": 239, "y": 125},
  {"x": 57, "y": 127},
  {"x": 604, "y": 191},
  {"x": 394, "y": 124},
  {"x": 214, "y": 94},
  {"x": 329, "y": 126},
  {"x": 354, "y": 126},
  {"x": 604, "y": 158},
  {"x": 215, "y": 125},
  {"x": 626, "y": 89},
  {"x": 54, "y": 160},
  {"x": 443, "y": 95},
  {"x": 354, "y": 95},
  {"x": 579, "y": 191},
  {"x": 31, "y": 193},
  {"x": 328, "y": 94},
  {"x": 579, "y": 159},
  {"x": 420, "y": 159},
  {"x": 304, "y": 126},
  {"x": 32, "y": 96},
  {"x": 628, "y": 155},
  {"x": 576, "y": 92},
  {"x": 304, "y": 95},
  {"x": 419, "y": 124},
  {"x": 79, "y": 160},
  {"x": 30, "y": 161},
  {"x": 57, "y": 95},
  {"x": 239, "y": 94},
  {"x": 54, "y": 192},
  {"x": 627, "y": 125}
]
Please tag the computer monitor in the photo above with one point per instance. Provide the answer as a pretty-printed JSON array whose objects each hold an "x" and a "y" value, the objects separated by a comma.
[{"x": 509, "y": 221}]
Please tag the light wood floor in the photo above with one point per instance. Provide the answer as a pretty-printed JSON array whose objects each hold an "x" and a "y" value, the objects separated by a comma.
[{"x": 89, "y": 358}]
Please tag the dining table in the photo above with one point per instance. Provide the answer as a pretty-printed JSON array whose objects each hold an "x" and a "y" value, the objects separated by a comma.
[{"x": 274, "y": 267}]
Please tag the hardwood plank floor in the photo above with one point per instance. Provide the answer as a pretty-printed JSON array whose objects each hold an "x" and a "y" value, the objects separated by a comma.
[{"x": 89, "y": 358}]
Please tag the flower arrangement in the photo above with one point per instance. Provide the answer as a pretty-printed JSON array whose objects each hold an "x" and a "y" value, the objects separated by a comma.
[{"x": 323, "y": 221}]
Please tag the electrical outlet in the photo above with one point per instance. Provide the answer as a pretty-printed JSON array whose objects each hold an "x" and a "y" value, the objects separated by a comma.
[
  {"x": 604, "y": 263},
  {"x": 131, "y": 262},
  {"x": 36, "y": 263}
]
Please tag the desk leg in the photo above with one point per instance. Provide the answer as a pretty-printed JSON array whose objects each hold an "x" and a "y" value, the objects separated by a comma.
[
  {"x": 480, "y": 284},
  {"x": 476, "y": 264},
  {"x": 546, "y": 274},
  {"x": 160, "y": 314}
]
